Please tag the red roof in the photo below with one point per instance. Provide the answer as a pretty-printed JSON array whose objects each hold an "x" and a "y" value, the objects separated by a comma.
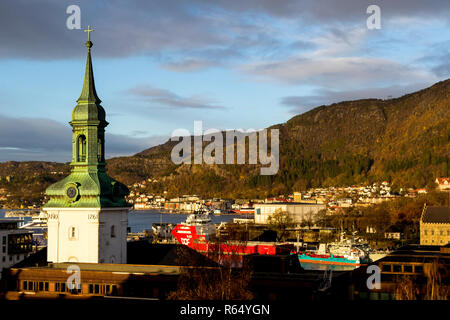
[{"x": 443, "y": 180}]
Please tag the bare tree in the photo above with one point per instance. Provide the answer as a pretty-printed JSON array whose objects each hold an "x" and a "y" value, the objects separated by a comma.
[
  {"x": 281, "y": 222},
  {"x": 220, "y": 273},
  {"x": 406, "y": 289},
  {"x": 436, "y": 290},
  {"x": 308, "y": 220}
]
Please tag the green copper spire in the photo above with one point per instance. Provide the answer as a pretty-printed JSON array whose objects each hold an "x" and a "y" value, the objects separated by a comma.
[
  {"x": 88, "y": 185},
  {"x": 88, "y": 94}
]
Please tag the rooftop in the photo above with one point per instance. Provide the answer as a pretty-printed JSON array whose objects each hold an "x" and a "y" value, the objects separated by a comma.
[
  {"x": 433, "y": 214},
  {"x": 289, "y": 203},
  {"x": 8, "y": 224},
  {"x": 141, "y": 255},
  {"x": 418, "y": 253}
]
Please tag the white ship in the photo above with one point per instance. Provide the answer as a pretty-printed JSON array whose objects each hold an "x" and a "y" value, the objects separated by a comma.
[
  {"x": 202, "y": 223},
  {"x": 349, "y": 250}
]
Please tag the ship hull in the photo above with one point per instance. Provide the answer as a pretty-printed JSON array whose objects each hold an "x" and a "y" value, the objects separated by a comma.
[
  {"x": 187, "y": 235},
  {"x": 329, "y": 260},
  {"x": 243, "y": 212}
]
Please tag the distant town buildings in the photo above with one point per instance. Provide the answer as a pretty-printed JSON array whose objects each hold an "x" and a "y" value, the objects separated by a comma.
[{"x": 336, "y": 199}]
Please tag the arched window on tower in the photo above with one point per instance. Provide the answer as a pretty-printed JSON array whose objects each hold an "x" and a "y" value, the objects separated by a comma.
[
  {"x": 81, "y": 148},
  {"x": 100, "y": 150},
  {"x": 113, "y": 231}
]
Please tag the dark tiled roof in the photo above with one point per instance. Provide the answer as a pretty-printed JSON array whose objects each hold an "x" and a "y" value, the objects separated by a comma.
[
  {"x": 143, "y": 252},
  {"x": 36, "y": 259},
  {"x": 417, "y": 253},
  {"x": 138, "y": 253},
  {"x": 436, "y": 215}
]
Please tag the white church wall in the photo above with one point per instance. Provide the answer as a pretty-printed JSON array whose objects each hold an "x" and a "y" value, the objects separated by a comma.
[{"x": 84, "y": 235}]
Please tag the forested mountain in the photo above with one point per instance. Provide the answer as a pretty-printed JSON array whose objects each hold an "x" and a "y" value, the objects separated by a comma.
[{"x": 404, "y": 140}]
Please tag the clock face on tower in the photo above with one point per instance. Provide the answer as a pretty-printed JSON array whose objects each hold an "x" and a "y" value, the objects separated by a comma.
[{"x": 72, "y": 192}]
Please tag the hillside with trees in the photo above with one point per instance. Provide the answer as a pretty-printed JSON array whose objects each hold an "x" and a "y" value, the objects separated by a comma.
[{"x": 405, "y": 141}]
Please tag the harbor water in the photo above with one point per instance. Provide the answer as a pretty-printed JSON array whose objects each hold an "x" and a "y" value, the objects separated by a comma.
[{"x": 139, "y": 220}]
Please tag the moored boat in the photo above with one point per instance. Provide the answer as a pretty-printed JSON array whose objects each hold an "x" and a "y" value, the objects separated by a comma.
[
  {"x": 328, "y": 259},
  {"x": 198, "y": 233},
  {"x": 244, "y": 210},
  {"x": 337, "y": 253}
]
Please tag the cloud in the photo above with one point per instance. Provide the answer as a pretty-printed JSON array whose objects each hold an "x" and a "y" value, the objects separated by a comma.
[
  {"x": 442, "y": 69},
  {"x": 360, "y": 71},
  {"x": 437, "y": 59},
  {"x": 121, "y": 29},
  {"x": 341, "y": 11},
  {"x": 138, "y": 132},
  {"x": 192, "y": 35},
  {"x": 337, "y": 54},
  {"x": 188, "y": 65},
  {"x": 170, "y": 99},
  {"x": 174, "y": 27},
  {"x": 124, "y": 145},
  {"x": 324, "y": 96},
  {"x": 24, "y": 139},
  {"x": 163, "y": 30},
  {"x": 322, "y": 45}
]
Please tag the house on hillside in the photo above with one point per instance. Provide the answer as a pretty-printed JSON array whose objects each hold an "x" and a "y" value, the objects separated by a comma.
[
  {"x": 393, "y": 233},
  {"x": 443, "y": 184}
]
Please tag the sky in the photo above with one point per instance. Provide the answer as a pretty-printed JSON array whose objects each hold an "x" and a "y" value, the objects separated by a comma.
[{"x": 161, "y": 65}]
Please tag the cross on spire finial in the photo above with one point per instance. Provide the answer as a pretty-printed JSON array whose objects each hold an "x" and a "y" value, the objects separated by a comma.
[{"x": 89, "y": 30}]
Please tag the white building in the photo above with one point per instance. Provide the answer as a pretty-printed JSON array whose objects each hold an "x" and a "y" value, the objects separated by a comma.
[
  {"x": 94, "y": 235},
  {"x": 297, "y": 211},
  {"x": 443, "y": 184},
  {"x": 345, "y": 202}
]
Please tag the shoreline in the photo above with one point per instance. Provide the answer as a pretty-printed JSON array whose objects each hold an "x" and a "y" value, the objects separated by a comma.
[
  {"x": 31, "y": 212},
  {"x": 172, "y": 211}
]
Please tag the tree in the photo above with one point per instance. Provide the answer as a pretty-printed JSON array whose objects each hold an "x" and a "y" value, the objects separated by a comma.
[
  {"x": 323, "y": 220},
  {"x": 436, "y": 290},
  {"x": 406, "y": 289},
  {"x": 218, "y": 274},
  {"x": 280, "y": 221}
]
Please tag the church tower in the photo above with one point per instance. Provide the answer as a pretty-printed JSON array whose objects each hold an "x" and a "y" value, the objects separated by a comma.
[{"x": 87, "y": 211}]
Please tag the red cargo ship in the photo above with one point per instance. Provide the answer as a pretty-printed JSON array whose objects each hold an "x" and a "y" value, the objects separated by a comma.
[{"x": 196, "y": 231}]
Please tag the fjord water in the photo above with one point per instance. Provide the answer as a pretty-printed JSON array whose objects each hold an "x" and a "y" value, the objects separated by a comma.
[{"x": 138, "y": 220}]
